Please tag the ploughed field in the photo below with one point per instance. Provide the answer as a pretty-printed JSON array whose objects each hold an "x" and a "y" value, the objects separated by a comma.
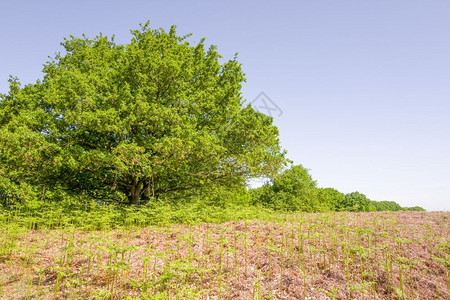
[{"x": 398, "y": 255}]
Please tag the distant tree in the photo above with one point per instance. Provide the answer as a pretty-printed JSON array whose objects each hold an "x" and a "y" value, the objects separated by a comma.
[
  {"x": 332, "y": 198},
  {"x": 357, "y": 202},
  {"x": 148, "y": 118},
  {"x": 295, "y": 190},
  {"x": 292, "y": 190},
  {"x": 413, "y": 208},
  {"x": 386, "y": 206}
]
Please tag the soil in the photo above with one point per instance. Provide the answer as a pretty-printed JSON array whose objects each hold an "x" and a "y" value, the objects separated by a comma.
[{"x": 392, "y": 255}]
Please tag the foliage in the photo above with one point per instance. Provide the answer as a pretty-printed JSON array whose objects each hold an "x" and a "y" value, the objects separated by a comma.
[
  {"x": 386, "y": 206},
  {"x": 413, "y": 208},
  {"x": 357, "y": 202},
  {"x": 134, "y": 122},
  {"x": 332, "y": 198},
  {"x": 292, "y": 190},
  {"x": 61, "y": 210},
  {"x": 295, "y": 190}
]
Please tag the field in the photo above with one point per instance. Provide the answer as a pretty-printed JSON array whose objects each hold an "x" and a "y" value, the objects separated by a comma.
[{"x": 398, "y": 255}]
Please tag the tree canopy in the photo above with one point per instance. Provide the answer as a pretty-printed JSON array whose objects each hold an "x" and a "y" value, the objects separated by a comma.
[{"x": 134, "y": 121}]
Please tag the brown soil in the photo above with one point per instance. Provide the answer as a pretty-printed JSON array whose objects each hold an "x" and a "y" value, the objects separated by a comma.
[{"x": 401, "y": 255}]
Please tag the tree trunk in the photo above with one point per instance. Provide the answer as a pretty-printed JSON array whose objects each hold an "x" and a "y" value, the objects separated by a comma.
[
  {"x": 135, "y": 194},
  {"x": 141, "y": 192}
]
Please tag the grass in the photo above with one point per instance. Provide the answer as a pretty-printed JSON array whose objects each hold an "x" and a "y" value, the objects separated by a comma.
[{"x": 397, "y": 255}]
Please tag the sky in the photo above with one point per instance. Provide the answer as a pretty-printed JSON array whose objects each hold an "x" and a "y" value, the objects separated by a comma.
[{"x": 360, "y": 90}]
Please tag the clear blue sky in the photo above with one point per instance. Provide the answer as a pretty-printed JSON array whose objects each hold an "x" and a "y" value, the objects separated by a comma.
[{"x": 364, "y": 86}]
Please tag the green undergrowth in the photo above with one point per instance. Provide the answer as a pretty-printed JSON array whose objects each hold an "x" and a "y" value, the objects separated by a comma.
[{"x": 94, "y": 216}]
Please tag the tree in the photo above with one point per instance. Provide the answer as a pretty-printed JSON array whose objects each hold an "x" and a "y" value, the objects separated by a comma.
[
  {"x": 331, "y": 198},
  {"x": 413, "y": 208},
  {"x": 292, "y": 190},
  {"x": 357, "y": 202},
  {"x": 148, "y": 118},
  {"x": 386, "y": 206}
]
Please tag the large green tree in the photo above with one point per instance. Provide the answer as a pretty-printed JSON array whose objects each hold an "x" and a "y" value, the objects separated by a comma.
[{"x": 151, "y": 117}]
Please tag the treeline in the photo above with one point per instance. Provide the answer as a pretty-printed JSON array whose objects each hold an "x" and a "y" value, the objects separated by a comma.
[{"x": 295, "y": 190}]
